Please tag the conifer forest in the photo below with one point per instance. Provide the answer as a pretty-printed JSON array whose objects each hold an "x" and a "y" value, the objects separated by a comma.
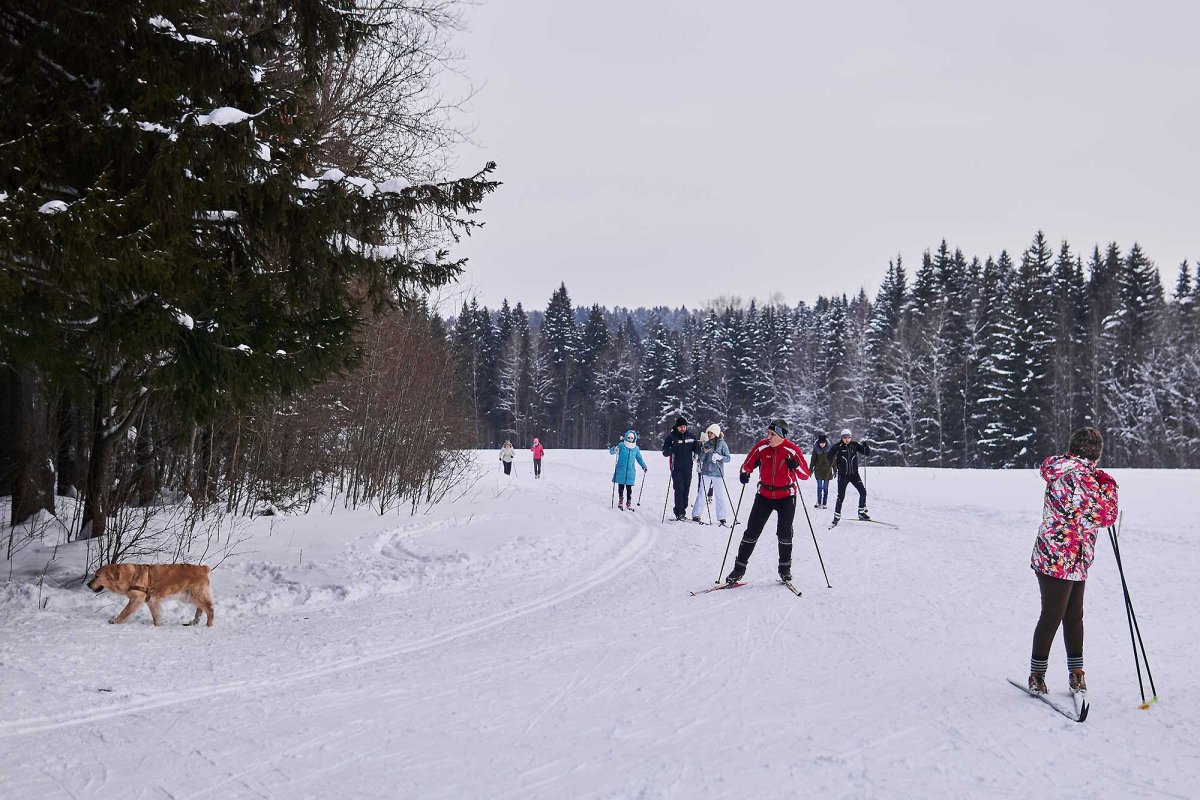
[
  {"x": 232, "y": 305},
  {"x": 961, "y": 363}
]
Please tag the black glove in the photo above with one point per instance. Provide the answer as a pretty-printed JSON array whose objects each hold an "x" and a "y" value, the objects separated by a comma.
[
  {"x": 792, "y": 463},
  {"x": 744, "y": 477}
]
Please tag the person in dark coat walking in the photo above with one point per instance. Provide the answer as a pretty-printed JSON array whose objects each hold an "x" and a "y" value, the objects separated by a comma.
[
  {"x": 822, "y": 469},
  {"x": 845, "y": 464},
  {"x": 682, "y": 448},
  {"x": 780, "y": 464}
]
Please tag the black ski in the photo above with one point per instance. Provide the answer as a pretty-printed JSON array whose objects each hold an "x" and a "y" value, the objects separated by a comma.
[
  {"x": 791, "y": 586},
  {"x": 1070, "y": 714},
  {"x": 718, "y": 588},
  {"x": 874, "y": 521}
]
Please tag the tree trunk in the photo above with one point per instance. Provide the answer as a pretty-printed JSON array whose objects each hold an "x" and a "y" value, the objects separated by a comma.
[
  {"x": 95, "y": 493},
  {"x": 202, "y": 493},
  {"x": 10, "y": 390},
  {"x": 145, "y": 471},
  {"x": 33, "y": 477},
  {"x": 105, "y": 433},
  {"x": 72, "y": 448}
]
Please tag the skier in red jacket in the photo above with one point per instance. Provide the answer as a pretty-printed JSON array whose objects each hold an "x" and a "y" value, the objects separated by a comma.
[{"x": 780, "y": 463}]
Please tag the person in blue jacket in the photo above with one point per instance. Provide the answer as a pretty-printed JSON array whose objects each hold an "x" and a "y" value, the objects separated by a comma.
[{"x": 625, "y": 475}]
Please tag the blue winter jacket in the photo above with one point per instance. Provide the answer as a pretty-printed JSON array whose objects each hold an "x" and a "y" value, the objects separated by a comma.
[
  {"x": 711, "y": 467},
  {"x": 627, "y": 459}
]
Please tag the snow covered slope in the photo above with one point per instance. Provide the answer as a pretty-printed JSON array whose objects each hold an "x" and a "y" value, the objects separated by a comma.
[{"x": 527, "y": 641}]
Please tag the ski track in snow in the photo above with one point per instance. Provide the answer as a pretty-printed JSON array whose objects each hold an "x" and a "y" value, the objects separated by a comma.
[
  {"x": 634, "y": 549},
  {"x": 529, "y": 641}
]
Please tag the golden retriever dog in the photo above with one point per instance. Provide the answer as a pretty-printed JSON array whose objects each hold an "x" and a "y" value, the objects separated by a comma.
[{"x": 153, "y": 583}]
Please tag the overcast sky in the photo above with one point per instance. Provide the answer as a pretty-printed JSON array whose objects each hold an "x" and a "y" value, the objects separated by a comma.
[{"x": 665, "y": 152}]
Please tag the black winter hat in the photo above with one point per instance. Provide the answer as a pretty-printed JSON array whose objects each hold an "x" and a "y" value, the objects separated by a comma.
[
  {"x": 679, "y": 421},
  {"x": 780, "y": 427},
  {"x": 821, "y": 437}
]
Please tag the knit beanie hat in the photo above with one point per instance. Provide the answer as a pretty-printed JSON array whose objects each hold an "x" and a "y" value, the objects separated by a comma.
[
  {"x": 1086, "y": 442},
  {"x": 714, "y": 429},
  {"x": 679, "y": 421},
  {"x": 846, "y": 432},
  {"x": 780, "y": 427}
]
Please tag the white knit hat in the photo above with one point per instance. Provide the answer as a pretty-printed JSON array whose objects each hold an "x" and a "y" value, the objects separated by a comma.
[
  {"x": 846, "y": 432},
  {"x": 714, "y": 429}
]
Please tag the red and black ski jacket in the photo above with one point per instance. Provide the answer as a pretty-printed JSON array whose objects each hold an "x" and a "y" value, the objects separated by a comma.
[{"x": 775, "y": 479}]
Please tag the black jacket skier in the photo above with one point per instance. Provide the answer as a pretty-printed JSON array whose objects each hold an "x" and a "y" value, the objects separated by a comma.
[
  {"x": 845, "y": 463},
  {"x": 845, "y": 454},
  {"x": 682, "y": 448}
]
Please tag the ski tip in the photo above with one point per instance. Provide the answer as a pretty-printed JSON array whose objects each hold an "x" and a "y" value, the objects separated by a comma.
[{"x": 1083, "y": 713}]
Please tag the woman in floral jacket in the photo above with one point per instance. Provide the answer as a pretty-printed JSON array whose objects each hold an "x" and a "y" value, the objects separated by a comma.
[{"x": 1079, "y": 499}]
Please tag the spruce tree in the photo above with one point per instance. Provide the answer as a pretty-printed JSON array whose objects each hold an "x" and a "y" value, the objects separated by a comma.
[
  {"x": 888, "y": 401},
  {"x": 1031, "y": 295},
  {"x": 1068, "y": 294},
  {"x": 996, "y": 416},
  {"x": 594, "y": 339},
  {"x": 168, "y": 227},
  {"x": 1133, "y": 372}
]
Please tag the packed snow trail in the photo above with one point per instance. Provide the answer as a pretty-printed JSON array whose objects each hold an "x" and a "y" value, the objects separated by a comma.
[{"x": 530, "y": 641}]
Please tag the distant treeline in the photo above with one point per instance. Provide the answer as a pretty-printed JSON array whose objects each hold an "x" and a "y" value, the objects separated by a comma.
[{"x": 969, "y": 364}]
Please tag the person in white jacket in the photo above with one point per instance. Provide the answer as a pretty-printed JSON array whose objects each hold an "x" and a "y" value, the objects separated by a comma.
[{"x": 712, "y": 458}]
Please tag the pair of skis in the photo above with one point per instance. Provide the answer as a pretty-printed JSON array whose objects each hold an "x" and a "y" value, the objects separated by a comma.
[
  {"x": 791, "y": 587},
  {"x": 1079, "y": 701}
]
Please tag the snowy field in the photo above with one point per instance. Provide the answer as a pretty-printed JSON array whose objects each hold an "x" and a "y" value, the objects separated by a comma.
[{"x": 527, "y": 641}]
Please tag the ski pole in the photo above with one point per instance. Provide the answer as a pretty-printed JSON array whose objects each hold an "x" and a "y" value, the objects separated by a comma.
[
  {"x": 643, "y": 489},
  {"x": 725, "y": 557},
  {"x": 804, "y": 504},
  {"x": 667, "y": 496},
  {"x": 612, "y": 500},
  {"x": 707, "y": 499},
  {"x": 1134, "y": 628}
]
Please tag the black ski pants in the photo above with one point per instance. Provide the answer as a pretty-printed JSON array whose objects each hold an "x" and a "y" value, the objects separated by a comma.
[
  {"x": 537, "y": 468},
  {"x": 508, "y": 468},
  {"x": 682, "y": 479},
  {"x": 624, "y": 491},
  {"x": 1062, "y": 603},
  {"x": 856, "y": 482},
  {"x": 785, "y": 508}
]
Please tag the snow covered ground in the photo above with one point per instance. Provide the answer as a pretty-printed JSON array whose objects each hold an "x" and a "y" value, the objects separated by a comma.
[{"x": 529, "y": 641}]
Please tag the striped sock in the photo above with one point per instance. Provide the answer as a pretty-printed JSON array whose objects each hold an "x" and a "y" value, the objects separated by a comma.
[
  {"x": 1074, "y": 662},
  {"x": 1038, "y": 665}
]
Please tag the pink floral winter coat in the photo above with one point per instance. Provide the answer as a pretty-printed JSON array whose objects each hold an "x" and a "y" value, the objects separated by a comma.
[{"x": 1079, "y": 499}]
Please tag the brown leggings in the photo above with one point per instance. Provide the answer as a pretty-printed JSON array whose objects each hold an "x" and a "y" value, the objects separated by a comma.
[{"x": 1062, "y": 602}]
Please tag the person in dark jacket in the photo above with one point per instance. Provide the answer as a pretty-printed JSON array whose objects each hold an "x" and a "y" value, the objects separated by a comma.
[
  {"x": 780, "y": 464},
  {"x": 682, "y": 448},
  {"x": 845, "y": 465},
  {"x": 822, "y": 469}
]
